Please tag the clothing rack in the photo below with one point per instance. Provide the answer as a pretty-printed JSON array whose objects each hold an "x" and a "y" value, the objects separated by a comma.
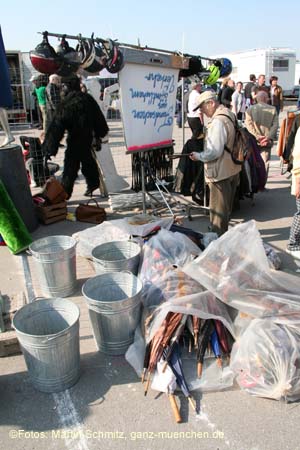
[{"x": 122, "y": 44}]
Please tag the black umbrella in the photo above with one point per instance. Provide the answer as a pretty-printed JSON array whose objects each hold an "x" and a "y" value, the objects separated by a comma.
[
  {"x": 203, "y": 341},
  {"x": 176, "y": 367}
]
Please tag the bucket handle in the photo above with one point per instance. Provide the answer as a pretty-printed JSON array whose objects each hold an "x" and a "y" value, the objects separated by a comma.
[{"x": 64, "y": 333}]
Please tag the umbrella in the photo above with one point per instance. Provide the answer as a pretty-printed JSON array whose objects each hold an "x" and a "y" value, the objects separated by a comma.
[
  {"x": 146, "y": 360},
  {"x": 203, "y": 341},
  {"x": 214, "y": 342},
  {"x": 176, "y": 367},
  {"x": 174, "y": 339},
  {"x": 165, "y": 381},
  {"x": 160, "y": 341},
  {"x": 222, "y": 335},
  {"x": 193, "y": 325},
  {"x": 196, "y": 325}
]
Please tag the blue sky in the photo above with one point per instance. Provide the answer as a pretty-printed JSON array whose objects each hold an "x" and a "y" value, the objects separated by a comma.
[{"x": 199, "y": 27}]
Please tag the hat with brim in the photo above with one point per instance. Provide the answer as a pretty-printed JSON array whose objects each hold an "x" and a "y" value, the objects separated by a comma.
[{"x": 205, "y": 96}]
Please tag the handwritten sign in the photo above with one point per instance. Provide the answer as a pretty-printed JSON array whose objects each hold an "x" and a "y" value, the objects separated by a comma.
[{"x": 148, "y": 97}]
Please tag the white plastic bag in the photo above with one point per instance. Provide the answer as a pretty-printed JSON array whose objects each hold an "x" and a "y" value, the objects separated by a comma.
[{"x": 266, "y": 360}]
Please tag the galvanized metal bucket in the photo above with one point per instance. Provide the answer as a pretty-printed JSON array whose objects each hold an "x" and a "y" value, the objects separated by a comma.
[
  {"x": 48, "y": 332},
  {"x": 55, "y": 262},
  {"x": 116, "y": 256},
  {"x": 114, "y": 302}
]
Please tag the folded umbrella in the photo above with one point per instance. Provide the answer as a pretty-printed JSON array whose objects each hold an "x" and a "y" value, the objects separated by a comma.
[
  {"x": 165, "y": 381},
  {"x": 214, "y": 342},
  {"x": 222, "y": 335},
  {"x": 174, "y": 339},
  {"x": 176, "y": 367},
  {"x": 160, "y": 341},
  {"x": 203, "y": 341}
]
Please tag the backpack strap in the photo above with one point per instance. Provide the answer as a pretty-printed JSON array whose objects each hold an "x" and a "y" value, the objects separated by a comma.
[{"x": 235, "y": 127}]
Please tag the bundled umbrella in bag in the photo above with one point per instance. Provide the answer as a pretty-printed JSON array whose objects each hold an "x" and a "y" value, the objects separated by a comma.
[
  {"x": 203, "y": 341},
  {"x": 175, "y": 365},
  {"x": 165, "y": 381},
  {"x": 174, "y": 339},
  {"x": 159, "y": 342}
]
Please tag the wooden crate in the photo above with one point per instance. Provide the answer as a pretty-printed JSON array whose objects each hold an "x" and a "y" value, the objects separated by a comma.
[
  {"x": 52, "y": 213},
  {"x": 11, "y": 304},
  {"x": 9, "y": 344}
]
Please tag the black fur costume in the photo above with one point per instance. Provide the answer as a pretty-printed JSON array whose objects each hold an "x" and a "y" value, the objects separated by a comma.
[{"x": 79, "y": 115}]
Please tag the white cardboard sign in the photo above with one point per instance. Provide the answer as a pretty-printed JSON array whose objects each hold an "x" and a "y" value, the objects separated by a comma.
[{"x": 148, "y": 98}]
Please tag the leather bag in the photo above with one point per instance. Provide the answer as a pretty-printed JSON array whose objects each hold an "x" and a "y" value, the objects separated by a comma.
[
  {"x": 90, "y": 213},
  {"x": 54, "y": 192}
]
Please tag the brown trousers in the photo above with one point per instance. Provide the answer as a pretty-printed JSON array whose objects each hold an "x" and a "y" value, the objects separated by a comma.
[{"x": 221, "y": 197}]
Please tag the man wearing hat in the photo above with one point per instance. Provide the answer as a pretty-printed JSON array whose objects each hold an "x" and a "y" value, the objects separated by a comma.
[
  {"x": 221, "y": 173},
  {"x": 193, "y": 116}
]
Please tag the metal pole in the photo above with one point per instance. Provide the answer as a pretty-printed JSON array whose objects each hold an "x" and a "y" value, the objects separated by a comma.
[
  {"x": 143, "y": 182},
  {"x": 182, "y": 112},
  {"x": 105, "y": 41}
]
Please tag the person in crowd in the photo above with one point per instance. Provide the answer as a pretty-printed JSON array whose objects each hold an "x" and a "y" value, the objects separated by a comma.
[
  {"x": 238, "y": 101},
  {"x": 79, "y": 115},
  {"x": 248, "y": 88},
  {"x": 53, "y": 97},
  {"x": 8, "y": 137},
  {"x": 261, "y": 120},
  {"x": 222, "y": 86},
  {"x": 293, "y": 247},
  {"x": 276, "y": 94},
  {"x": 193, "y": 116},
  {"x": 181, "y": 105},
  {"x": 40, "y": 92},
  {"x": 221, "y": 173},
  {"x": 227, "y": 93},
  {"x": 260, "y": 86}
]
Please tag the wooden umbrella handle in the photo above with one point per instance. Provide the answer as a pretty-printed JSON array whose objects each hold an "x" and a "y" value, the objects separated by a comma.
[{"x": 175, "y": 409}]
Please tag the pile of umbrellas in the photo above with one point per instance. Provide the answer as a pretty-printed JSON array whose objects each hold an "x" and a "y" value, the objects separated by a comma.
[{"x": 163, "y": 353}]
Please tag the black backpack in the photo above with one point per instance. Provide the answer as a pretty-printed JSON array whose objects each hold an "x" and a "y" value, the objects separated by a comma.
[
  {"x": 245, "y": 149},
  {"x": 242, "y": 146}
]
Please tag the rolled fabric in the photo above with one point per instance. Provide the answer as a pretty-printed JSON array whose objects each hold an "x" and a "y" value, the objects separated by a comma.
[{"x": 12, "y": 227}]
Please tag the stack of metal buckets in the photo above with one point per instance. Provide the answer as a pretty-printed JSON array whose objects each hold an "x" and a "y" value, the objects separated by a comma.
[
  {"x": 48, "y": 329},
  {"x": 114, "y": 295}
]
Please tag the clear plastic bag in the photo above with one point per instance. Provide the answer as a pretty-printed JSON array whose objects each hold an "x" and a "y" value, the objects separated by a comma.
[
  {"x": 266, "y": 360},
  {"x": 168, "y": 289},
  {"x": 273, "y": 257},
  {"x": 235, "y": 269},
  {"x": 160, "y": 257},
  {"x": 114, "y": 230}
]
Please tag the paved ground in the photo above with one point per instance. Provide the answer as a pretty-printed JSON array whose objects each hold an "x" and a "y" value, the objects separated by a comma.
[{"x": 107, "y": 408}]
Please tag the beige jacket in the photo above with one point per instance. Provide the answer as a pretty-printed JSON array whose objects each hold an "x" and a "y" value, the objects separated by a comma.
[
  {"x": 296, "y": 161},
  {"x": 223, "y": 167},
  {"x": 262, "y": 120}
]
